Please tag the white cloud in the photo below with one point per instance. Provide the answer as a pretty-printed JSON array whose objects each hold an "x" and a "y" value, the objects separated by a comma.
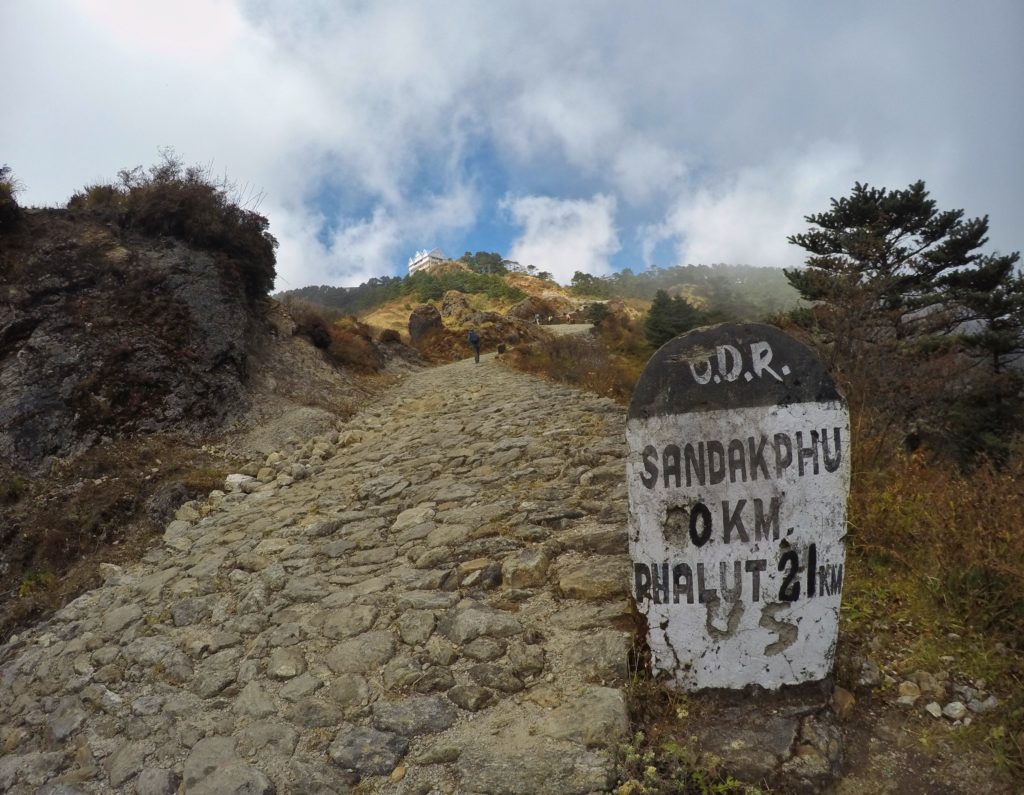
[
  {"x": 706, "y": 122},
  {"x": 361, "y": 248},
  {"x": 563, "y": 236},
  {"x": 744, "y": 218}
]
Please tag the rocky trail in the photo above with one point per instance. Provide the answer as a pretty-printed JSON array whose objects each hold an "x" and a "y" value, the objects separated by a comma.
[{"x": 430, "y": 599}]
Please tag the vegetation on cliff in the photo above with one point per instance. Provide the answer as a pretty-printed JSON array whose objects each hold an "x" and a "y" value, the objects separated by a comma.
[{"x": 188, "y": 203}]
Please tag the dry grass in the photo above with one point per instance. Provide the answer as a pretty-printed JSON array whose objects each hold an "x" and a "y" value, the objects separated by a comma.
[
  {"x": 106, "y": 506},
  {"x": 959, "y": 530},
  {"x": 607, "y": 362},
  {"x": 581, "y": 361}
]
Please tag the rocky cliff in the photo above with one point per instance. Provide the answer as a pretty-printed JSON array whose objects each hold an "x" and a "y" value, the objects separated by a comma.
[{"x": 105, "y": 333}]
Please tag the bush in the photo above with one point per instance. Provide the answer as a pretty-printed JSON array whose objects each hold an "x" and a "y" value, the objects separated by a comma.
[
  {"x": 10, "y": 212},
  {"x": 389, "y": 335},
  {"x": 189, "y": 204},
  {"x": 957, "y": 530},
  {"x": 430, "y": 287},
  {"x": 582, "y": 361}
]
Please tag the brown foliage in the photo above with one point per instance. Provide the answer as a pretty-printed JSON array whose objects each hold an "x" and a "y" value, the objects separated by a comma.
[
  {"x": 10, "y": 212},
  {"x": 107, "y": 505},
  {"x": 345, "y": 340},
  {"x": 582, "y": 361},
  {"x": 960, "y": 531},
  {"x": 189, "y": 204},
  {"x": 352, "y": 345}
]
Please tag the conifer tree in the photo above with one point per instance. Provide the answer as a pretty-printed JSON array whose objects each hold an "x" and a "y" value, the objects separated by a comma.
[{"x": 669, "y": 317}]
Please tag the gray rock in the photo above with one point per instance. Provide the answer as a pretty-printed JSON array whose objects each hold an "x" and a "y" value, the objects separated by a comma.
[
  {"x": 934, "y": 709},
  {"x": 982, "y": 707},
  {"x": 596, "y": 578},
  {"x": 401, "y": 672},
  {"x": 31, "y": 769},
  {"x": 311, "y": 713},
  {"x": 234, "y": 778},
  {"x": 436, "y": 679},
  {"x": 414, "y": 715},
  {"x": 528, "y": 569},
  {"x": 955, "y": 710},
  {"x": 303, "y": 589},
  {"x": 527, "y": 770},
  {"x": 415, "y": 626},
  {"x": 383, "y": 488},
  {"x": 148, "y": 705},
  {"x": 471, "y": 697},
  {"x": 156, "y": 781},
  {"x": 495, "y": 677},
  {"x": 601, "y": 656},
  {"x": 189, "y": 611},
  {"x": 119, "y": 618},
  {"x": 441, "y": 652},
  {"x": 300, "y": 687},
  {"x": 527, "y": 660},
  {"x": 125, "y": 763},
  {"x": 367, "y": 751},
  {"x": 254, "y": 701},
  {"x": 349, "y": 621},
  {"x": 286, "y": 663},
  {"x": 484, "y": 649},
  {"x": 319, "y": 778},
  {"x": 279, "y": 739},
  {"x": 461, "y": 625},
  {"x": 427, "y": 600},
  {"x": 350, "y": 690},
  {"x": 206, "y": 756},
  {"x": 597, "y": 718},
  {"x": 366, "y": 652},
  {"x": 67, "y": 718},
  {"x": 413, "y": 516},
  {"x": 209, "y": 682}
]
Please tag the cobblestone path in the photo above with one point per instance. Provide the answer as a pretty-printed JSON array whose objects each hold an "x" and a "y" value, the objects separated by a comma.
[{"x": 431, "y": 599}]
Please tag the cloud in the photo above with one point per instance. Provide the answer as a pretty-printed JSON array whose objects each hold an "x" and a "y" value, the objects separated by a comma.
[
  {"x": 745, "y": 217},
  {"x": 563, "y": 236},
  {"x": 358, "y": 249},
  {"x": 707, "y": 129}
]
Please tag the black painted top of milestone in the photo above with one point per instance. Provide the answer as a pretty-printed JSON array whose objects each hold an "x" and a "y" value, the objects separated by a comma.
[{"x": 728, "y": 366}]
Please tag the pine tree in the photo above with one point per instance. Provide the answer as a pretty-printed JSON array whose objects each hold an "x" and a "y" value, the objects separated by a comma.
[
  {"x": 669, "y": 317},
  {"x": 877, "y": 259}
]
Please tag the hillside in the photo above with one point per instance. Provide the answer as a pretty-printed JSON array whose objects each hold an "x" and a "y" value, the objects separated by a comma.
[{"x": 737, "y": 292}]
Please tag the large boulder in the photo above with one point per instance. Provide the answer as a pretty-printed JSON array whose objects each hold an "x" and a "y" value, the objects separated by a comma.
[
  {"x": 454, "y": 306},
  {"x": 424, "y": 321}
]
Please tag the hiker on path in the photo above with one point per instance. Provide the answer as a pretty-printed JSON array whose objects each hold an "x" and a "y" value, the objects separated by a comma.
[{"x": 474, "y": 340}]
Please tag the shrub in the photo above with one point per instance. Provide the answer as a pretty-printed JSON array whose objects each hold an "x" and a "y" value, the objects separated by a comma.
[
  {"x": 354, "y": 348},
  {"x": 389, "y": 335},
  {"x": 582, "y": 361},
  {"x": 958, "y": 530},
  {"x": 430, "y": 287},
  {"x": 10, "y": 212},
  {"x": 188, "y": 203}
]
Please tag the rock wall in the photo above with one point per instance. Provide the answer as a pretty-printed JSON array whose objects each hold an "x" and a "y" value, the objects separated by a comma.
[{"x": 103, "y": 334}]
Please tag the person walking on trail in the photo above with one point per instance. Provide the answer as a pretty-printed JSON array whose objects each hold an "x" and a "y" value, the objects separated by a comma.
[{"x": 474, "y": 340}]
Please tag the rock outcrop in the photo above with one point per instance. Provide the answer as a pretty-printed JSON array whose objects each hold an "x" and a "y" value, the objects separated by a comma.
[
  {"x": 104, "y": 333},
  {"x": 424, "y": 321}
]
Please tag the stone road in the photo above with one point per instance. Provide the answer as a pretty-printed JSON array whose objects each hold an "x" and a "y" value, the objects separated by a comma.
[{"x": 431, "y": 599}]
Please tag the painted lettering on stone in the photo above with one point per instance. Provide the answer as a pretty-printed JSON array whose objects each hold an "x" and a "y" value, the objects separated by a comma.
[{"x": 738, "y": 475}]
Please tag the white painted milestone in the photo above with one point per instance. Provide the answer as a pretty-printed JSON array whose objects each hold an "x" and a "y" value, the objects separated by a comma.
[{"x": 738, "y": 475}]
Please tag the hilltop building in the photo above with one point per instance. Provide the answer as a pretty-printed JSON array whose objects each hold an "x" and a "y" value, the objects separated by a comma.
[{"x": 424, "y": 259}]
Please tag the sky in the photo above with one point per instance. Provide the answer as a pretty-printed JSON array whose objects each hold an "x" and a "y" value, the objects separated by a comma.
[{"x": 565, "y": 134}]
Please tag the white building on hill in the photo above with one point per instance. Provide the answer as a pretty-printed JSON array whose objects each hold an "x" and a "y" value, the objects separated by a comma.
[{"x": 423, "y": 259}]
